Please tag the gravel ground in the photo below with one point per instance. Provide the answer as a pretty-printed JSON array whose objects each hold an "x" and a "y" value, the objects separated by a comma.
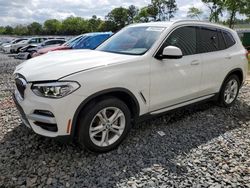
[{"x": 203, "y": 146}]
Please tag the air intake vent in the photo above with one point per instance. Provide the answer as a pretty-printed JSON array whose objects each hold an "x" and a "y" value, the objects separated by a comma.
[{"x": 21, "y": 86}]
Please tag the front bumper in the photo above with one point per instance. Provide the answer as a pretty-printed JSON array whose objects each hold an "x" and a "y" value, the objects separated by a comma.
[
  {"x": 6, "y": 49},
  {"x": 23, "y": 55},
  {"x": 56, "y": 125},
  {"x": 20, "y": 110}
]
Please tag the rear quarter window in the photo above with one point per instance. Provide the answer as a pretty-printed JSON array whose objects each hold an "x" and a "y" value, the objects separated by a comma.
[
  {"x": 229, "y": 39},
  {"x": 222, "y": 43}
]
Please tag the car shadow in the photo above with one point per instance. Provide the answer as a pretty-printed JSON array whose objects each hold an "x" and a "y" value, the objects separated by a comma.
[{"x": 26, "y": 154}]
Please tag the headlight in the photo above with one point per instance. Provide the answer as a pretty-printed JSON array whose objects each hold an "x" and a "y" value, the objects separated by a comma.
[{"x": 54, "y": 89}]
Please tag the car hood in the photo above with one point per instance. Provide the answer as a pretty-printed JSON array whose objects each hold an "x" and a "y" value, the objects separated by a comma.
[
  {"x": 7, "y": 45},
  {"x": 53, "y": 48},
  {"x": 20, "y": 43},
  {"x": 58, "y": 64}
]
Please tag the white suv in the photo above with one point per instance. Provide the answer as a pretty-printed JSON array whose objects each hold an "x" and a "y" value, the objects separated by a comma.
[{"x": 93, "y": 96}]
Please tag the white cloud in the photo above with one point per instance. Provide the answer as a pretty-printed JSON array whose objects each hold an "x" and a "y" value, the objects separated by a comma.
[{"x": 13, "y": 12}]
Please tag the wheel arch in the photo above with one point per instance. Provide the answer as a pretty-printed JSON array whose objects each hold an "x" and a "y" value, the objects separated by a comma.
[
  {"x": 121, "y": 93},
  {"x": 238, "y": 72}
]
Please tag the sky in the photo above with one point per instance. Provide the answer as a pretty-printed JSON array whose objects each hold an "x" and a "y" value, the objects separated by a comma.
[{"x": 13, "y": 12}]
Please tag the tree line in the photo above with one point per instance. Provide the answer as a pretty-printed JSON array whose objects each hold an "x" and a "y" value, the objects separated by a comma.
[{"x": 157, "y": 10}]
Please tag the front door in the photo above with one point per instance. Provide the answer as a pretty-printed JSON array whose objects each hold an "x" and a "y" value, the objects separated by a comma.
[{"x": 174, "y": 81}]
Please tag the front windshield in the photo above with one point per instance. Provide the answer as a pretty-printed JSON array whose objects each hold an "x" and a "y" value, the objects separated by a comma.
[
  {"x": 77, "y": 42},
  {"x": 22, "y": 41},
  {"x": 132, "y": 40},
  {"x": 69, "y": 42}
]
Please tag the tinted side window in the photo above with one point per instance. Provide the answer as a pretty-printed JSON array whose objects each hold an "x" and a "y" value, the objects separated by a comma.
[
  {"x": 49, "y": 43},
  {"x": 183, "y": 38},
  {"x": 229, "y": 39},
  {"x": 222, "y": 44},
  {"x": 32, "y": 41},
  {"x": 56, "y": 42},
  {"x": 209, "y": 41}
]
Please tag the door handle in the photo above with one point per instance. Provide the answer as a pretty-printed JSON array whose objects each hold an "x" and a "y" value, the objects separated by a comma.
[
  {"x": 228, "y": 57},
  {"x": 195, "y": 62}
]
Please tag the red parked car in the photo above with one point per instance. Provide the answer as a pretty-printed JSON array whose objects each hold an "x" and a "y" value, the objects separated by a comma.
[{"x": 85, "y": 41}]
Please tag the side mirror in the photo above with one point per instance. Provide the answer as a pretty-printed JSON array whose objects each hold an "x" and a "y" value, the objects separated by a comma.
[{"x": 171, "y": 52}]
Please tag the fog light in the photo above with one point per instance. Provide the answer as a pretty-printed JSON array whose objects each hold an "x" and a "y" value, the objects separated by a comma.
[{"x": 44, "y": 113}]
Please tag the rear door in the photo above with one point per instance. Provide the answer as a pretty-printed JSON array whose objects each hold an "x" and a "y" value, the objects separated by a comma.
[{"x": 215, "y": 59}]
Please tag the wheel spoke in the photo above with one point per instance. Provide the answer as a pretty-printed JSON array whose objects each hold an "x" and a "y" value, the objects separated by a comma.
[
  {"x": 116, "y": 127},
  {"x": 99, "y": 115},
  {"x": 115, "y": 116},
  {"x": 107, "y": 137},
  {"x": 228, "y": 98},
  {"x": 96, "y": 130},
  {"x": 103, "y": 138},
  {"x": 104, "y": 115},
  {"x": 115, "y": 131},
  {"x": 234, "y": 86}
]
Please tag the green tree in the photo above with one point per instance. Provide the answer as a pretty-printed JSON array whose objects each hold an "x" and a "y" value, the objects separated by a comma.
[
  {"x": 35, "y": 28},
  {"x": 132, "y": 13},
  {"x": 20, "y": 30},
  {"x": 107, "y": 26},
  {"x": 234, "y": 7},
  {"x": 194, "y": 13},
  {"x": 52, "y": 26},
  {"x": 2, "y": 30},
  {"x": 216, "y": 8},
  {"x": 93, "y": 24},
  {"x": 119, "y": 16},
  {"x": 166, "y": 8},
  {"x": 73, "y": 26},
  {"x": 246, "y": 10},
  {"x": 170, "y": 9},
  {"x": 152, "y": 11},
  {"x": 8, "y": 30},
  {"x": 143, "y": 15}
]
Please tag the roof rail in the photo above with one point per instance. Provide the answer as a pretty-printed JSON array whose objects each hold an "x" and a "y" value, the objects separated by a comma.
[{"x": 190, "y": 20}]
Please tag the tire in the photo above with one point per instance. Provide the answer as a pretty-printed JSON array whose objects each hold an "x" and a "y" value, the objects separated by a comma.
[
  {"x": 228, "y": 96},
  {"x": 96, "y": 133},
  {"x": 18, "y": 50}
]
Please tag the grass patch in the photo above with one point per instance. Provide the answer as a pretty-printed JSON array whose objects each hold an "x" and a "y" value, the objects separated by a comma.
[{"x": 249, "y": 63}]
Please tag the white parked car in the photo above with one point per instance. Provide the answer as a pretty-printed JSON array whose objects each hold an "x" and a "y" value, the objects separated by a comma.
[
  {"x": 93, "y": 96},
  {"x": 7, "y": 46},
  {"x": 27, "y": 51},
  {"x": 15, "y": 48}
]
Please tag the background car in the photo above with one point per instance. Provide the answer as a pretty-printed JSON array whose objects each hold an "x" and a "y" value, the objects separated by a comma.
[
  {"x": 27, "y": 51},
  {"x": 85, "y": 41},
  {"x": 15, "y": 48},
  {"x": 5, "y": 47},
  {"x": 4, "y": 42}
]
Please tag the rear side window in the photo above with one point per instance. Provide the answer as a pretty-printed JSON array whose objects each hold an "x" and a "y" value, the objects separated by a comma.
[
  {"x": 183, "y": 38},
  {"x": 32, "y": 41},
  {"x": 49, "y": 42},
  {"x": 58, "y": 41},
  {"x": 209, "y": 40},
  {"x": 222, "y": 44},
  {"x": 229, "y": 39}
]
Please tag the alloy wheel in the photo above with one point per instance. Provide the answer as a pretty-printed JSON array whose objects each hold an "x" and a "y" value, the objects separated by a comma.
[
  {"x": 107, "y": 126},
  {"x": 231, "y": 91}
]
